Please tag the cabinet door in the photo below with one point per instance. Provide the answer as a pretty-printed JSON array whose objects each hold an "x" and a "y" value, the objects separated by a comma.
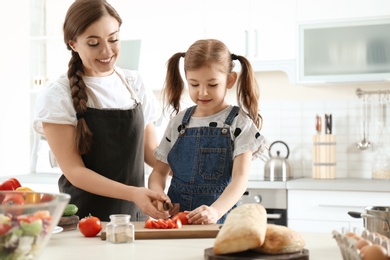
[
  {"x": 322, "y": 226},
  {"x": 274, "y": 23},
  {"x": 164, "y": 28},
  {"x": 315, "y": 10},
  {"x": 331, "y": 207},
  {"x": 229, "y": 21}
]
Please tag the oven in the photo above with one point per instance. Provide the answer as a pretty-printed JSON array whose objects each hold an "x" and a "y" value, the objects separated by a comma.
[{"x": 273, "y": 200}]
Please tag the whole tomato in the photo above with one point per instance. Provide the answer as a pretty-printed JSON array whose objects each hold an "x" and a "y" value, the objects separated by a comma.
[
  {"x": 182, "y": 216},
  {"x": 13, "y": 198},
  {"x": 90, "y": 226}
]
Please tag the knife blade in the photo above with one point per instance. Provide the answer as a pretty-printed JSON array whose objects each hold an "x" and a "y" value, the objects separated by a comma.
[{"x": 330, "y": 124}]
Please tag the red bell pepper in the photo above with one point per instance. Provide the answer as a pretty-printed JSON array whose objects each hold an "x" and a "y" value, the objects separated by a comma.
[{"x": 10, "y": 184}]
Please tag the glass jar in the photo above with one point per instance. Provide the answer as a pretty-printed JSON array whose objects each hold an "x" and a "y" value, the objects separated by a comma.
[
  {"x": 120, "y": 229},
  {"x": 381, "y": 165}
]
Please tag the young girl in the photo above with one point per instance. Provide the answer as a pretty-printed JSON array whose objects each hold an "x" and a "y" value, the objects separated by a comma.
[{"x": 208, "y": 148}]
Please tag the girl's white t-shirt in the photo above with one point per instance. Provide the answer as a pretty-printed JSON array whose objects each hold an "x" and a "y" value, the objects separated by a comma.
[
  {"x": 55, "y": 105},
  {"x": 247, "y": 138}
]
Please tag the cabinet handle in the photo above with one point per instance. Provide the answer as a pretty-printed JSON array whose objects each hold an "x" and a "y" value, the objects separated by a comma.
[
  {"x": 246, "y": 43},
  {"x": 256, "y": 43},
  {"x": 274, "y": 216}
]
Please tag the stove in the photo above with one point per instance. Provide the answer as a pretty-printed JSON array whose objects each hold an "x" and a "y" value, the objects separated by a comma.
[{"x": 273, "y": 200}]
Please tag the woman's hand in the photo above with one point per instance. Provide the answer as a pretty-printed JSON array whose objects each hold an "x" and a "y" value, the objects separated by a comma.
[
  {"x": 148, "y": 200},
  {"x": 203, "y": 215}
]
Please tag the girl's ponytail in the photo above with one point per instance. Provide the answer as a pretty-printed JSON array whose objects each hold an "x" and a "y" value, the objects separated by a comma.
[
  {"x": 174, "y": 84},
  {"x": 248, "y": 92}
]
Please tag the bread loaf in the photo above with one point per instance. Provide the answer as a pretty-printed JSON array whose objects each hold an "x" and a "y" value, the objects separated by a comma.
[
  {"x": 281, "y": 240},
  {"x": 244, "y": 228}
]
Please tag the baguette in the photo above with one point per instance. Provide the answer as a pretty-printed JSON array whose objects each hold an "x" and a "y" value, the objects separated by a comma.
[{"x": 244, "y": 228}]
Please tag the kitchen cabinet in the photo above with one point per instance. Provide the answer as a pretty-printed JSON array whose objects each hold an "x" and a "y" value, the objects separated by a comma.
[
  {"x": 324, "y": 211},
  {"x": 229, "y": 21},
  {"x": 164, "y": 28},
  {"x": 275, "y": 26},
  {"x": 317, "y": 10}
]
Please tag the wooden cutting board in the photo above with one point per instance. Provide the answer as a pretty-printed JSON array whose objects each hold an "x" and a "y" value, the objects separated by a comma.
[
  {"x": 187, "y": 231},
  {"x": 252, "y": 255}
]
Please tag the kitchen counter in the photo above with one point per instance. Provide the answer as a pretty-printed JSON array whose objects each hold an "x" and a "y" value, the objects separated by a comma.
[
  {"x": 345, "y": 184},
  {"x": 73, "y": 245}
]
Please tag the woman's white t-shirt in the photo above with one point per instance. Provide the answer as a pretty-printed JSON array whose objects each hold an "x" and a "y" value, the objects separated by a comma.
[{"x": 55, "y": 105}]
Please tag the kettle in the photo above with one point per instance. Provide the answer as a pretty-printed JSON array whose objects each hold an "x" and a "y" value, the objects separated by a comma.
[{"x": 278, "y": 168}]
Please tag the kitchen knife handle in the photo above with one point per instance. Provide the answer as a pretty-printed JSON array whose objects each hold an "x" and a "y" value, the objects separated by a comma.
[
  {"x": 318, "y": 124},
  {"x": 326, "y": 124}
]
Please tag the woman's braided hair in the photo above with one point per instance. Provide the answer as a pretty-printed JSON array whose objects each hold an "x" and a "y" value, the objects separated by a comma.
[{"x": 81, "y": 14}]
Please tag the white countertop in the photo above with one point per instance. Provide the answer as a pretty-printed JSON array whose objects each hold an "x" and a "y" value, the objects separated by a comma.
[
  {"x": 73, "y": 245},
  {"x": 345, "y": 184}
]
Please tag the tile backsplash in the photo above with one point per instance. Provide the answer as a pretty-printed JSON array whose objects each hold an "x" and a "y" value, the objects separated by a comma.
[{"x": 294, "y": 123}]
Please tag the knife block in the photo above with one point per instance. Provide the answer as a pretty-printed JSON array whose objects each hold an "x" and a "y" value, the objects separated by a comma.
[{"x": 324, "y": 157}]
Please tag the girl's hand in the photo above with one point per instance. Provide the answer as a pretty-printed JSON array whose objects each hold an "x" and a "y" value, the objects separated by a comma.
[
  {"x": 203, "y": 215},
  {"x": 151, "y": 203}
]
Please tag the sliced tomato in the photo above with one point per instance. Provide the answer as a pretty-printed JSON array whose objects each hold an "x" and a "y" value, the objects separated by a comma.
[
  {"x": 178, "y": 223},
  {"x": 162, "y": 223},
  {"x": 148, "y": 223},
  {"x": 155, "y": 224},
  {"x": 182, "y": 216},
  {"x": 47, "y": 197},
  {"x": 170, "y": 223}
]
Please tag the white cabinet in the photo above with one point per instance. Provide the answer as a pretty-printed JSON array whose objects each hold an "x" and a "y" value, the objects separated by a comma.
[
  {"x": 317, "y": 10},
  {"x": 324, "y": 211},
  {"x": 164, "y": 28},
  {"x": 229, "y": 21},
  {"x": 275, "y": 26}
]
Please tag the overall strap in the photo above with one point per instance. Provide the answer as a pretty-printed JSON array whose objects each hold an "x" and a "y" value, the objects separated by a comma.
[
  {"x": 187, "y": 115},
  {"x": 233, "y": 113}
]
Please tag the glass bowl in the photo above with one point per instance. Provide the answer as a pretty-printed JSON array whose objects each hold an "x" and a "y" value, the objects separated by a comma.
[{"x": 27, "y": 221}]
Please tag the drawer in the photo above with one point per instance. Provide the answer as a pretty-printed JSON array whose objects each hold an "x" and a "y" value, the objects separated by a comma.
[{"x": 331, "y": 205}]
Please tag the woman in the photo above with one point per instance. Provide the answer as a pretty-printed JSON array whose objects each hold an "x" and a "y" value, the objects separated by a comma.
[{"x": 98, "y": 120}]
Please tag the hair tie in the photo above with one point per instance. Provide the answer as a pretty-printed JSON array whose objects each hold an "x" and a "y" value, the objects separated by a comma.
[
  {"x": 234, "y": 56},
  {"x": 79, "y": 116},
  {"x": 183, "y": 54}
]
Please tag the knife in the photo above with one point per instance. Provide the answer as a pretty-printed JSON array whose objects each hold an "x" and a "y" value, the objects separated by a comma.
[
  {"x": 318, "y": 124},
  {"x": 167, "y": 206},
  {"x": 328, "y": 124}
]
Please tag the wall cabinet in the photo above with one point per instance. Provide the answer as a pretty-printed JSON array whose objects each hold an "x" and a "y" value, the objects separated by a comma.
[
  {"x": 317, "y": 10},
  {"x": 324, "y": 211}
]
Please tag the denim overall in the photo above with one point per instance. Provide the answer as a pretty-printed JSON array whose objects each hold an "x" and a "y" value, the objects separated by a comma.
[
  {"x": 201, "y": 162},
  {"x": 117, "y": 153}
]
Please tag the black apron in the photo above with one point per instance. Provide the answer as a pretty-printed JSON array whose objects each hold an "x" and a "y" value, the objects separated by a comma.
[{"x": 117, "y": 153}]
